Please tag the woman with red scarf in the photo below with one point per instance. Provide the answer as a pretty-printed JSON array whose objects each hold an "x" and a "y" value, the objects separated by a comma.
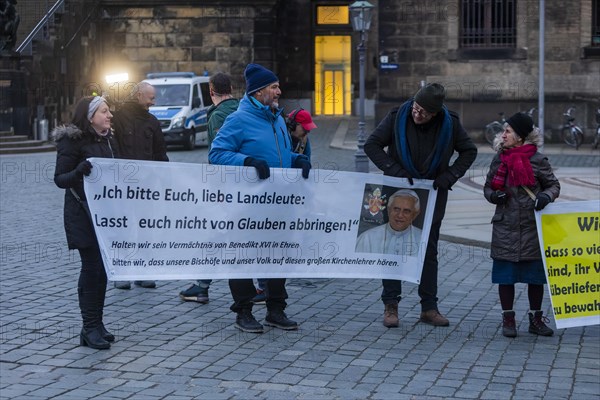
[{"x": 520, "y": 180}]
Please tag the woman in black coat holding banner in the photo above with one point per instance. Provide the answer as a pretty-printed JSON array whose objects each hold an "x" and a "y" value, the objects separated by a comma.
[{"x": 89, "y": 135}]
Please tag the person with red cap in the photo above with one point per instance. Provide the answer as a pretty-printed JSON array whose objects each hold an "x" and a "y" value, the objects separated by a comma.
[{"x": 300, "y": 123}]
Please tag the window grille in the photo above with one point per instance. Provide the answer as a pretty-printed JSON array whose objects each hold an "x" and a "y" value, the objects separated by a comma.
[{"x": 488, "y": 24}]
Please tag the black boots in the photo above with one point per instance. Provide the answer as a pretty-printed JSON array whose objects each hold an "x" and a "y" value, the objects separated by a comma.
[
  {"x": 246, "y": 322},
  {"x": 92, "y": 337},
  {"x": 93, "y": 334},
  {"x": 509, "y": 326},
  {"x": 278, "y": 319},
  {"x": 537, "y": 324},
  {"x": 106, "y": 335}
]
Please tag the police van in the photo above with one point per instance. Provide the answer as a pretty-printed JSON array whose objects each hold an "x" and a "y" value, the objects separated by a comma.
[{"x": 182, "y": 100}]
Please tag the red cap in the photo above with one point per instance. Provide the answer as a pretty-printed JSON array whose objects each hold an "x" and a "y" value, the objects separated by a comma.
[{"x": 303, "y": 118}]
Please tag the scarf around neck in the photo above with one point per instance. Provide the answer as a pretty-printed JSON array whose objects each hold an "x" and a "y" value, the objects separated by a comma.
[
  {"x": 515, "y": 168},
  {"x": 402, "y": 142}
]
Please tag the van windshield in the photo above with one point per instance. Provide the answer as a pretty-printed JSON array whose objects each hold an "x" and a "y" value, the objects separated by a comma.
[{"x": 172, "y": 95}]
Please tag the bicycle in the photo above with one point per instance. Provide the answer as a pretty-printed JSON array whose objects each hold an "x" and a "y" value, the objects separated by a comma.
[
  {"x": 570, "y": 132},
  {"x": 597, "y": 138},
  {"x": 494, "y": 128}
]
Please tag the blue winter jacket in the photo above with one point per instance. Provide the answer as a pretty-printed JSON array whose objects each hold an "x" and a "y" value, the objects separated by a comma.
[{"x": 253, "y": 131}]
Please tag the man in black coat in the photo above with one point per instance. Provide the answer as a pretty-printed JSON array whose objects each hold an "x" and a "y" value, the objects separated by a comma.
[
  {"x": 139, "y": 137},
  {"x": 137, "y": 131},
  {"x": 421, "y": 137}
]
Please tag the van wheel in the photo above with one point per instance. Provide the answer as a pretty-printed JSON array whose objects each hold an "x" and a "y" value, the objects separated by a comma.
[{"x": 190, "y": 144}]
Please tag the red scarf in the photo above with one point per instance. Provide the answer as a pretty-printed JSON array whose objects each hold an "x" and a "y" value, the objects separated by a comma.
[{"x": 516, "y": 167}]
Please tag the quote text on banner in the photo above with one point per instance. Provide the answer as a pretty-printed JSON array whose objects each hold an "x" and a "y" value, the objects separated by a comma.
[{"x": 170, "y": 221}]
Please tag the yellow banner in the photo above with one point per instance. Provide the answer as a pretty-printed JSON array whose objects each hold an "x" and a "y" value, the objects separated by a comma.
[{"x": 570, "y": 240}]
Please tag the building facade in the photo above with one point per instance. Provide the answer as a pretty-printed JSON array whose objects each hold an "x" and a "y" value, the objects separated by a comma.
[{"x": 486, "y": 52}]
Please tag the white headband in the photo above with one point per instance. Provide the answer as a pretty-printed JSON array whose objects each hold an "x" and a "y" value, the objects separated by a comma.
[{"x": 94, "y": 104}]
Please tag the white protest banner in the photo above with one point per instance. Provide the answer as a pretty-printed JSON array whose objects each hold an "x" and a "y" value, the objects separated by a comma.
[
  {"x": 569, "y": 235},
  {"x": 158, "y": 220}
]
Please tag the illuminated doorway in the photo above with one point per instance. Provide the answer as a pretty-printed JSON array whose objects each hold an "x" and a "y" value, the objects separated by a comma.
[{"x": 333, "y": 75}]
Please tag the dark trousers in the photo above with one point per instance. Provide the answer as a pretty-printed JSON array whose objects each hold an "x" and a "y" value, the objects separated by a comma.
[
  {"x": 392, "y": 289},
  {"x": 91, "y": 286},
  {"x": 243, "y": 290}
]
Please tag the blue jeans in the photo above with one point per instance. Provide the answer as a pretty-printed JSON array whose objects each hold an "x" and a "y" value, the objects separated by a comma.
[
  {"x": 262, "y": 284},
  {"x": 204, "y": 283},
  {"x": 392, "y": 289}
]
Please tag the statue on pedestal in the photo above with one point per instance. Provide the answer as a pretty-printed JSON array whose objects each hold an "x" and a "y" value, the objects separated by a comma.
[{"x": 9, "y": 22}]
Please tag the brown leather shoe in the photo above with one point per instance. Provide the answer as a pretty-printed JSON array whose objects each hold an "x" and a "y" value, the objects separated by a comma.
[
  {"x": 433, "y": 317},
  {"x": 390, "y": 316}
]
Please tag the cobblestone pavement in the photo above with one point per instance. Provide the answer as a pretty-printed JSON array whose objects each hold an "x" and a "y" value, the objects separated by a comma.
[{"x": 168, "y": 349}]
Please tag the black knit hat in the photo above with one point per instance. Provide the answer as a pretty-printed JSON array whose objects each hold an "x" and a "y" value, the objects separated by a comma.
[
  {"x": 521, "y": 123},
  {"x": 257, "y": 77},
  {"x": 431, "y": 97}
]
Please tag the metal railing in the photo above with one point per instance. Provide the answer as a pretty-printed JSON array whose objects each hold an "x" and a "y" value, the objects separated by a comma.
[{"x": 27, "y": 42}]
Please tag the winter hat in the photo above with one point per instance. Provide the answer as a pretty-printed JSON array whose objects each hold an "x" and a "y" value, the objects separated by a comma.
[
  {"x": 521, "y": 123},
  {"x": 303, "y": 118},
  {"x": 431, "y": 97},
  {"x": 257, "y": 77}
]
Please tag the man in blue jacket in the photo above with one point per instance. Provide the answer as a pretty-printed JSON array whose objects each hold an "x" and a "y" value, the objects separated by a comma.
[{"x": 256, "y": 135}]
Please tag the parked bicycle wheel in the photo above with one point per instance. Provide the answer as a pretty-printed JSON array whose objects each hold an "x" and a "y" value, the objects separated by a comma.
[
  {"x": 573, "y": 136},
  {"x": 491, "y": 130}
]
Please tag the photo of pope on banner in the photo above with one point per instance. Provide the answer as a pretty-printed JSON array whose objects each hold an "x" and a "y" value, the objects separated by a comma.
[{"x": 172, "y": 221}]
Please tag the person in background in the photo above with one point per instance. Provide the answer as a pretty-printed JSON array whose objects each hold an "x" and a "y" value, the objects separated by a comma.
[
  {"x": 520, "y": 180},
  {"x": 418, "y": 140},
  {"x": 89, "y": 135},
  {"x": 300, "y": 123},
  {"x": 223, "y": 104},
  {"x": 256, "y": 136},
  {"x": 140, "y": 137}
]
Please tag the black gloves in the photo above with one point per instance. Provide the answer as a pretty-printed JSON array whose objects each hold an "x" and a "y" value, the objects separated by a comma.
[
  {"x": 84, "y": 168},
  {"x": 541, "y": 201},
  {"x": 399, "y": 172},
  {"x": 303, "y": 163},
  {"x": 444, "y": 181},
  {"x": 262, "y": 168},
  {"x": 499, "y": 197},
  {"x": 263, "y": 171}
]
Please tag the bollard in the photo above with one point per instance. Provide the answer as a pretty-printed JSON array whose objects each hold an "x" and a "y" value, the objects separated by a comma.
[{"x": 43, "y": 129}]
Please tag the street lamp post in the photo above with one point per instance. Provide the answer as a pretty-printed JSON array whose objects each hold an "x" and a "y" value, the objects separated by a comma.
[{"x": 360, "y": 12}]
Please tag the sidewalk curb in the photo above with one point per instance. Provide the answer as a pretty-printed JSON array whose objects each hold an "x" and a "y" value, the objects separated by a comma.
[
  {"x": 339, "y": 138},
  {"x": 464, "y": 241}
]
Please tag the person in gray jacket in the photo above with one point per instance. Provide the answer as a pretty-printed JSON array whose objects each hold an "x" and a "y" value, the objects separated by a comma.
[{"x": 520, "y": 180}]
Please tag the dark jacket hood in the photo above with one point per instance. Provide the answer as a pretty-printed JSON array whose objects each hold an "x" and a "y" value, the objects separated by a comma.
[{"x": 68, "y": 130}]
